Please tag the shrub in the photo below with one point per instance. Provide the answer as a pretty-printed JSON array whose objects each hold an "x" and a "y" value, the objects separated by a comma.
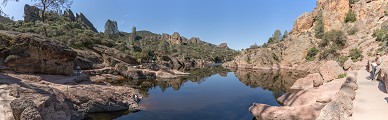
[
  {"x": 353, "y": 1},
  {"x": 352, "y": 31},
  {"x": 350, "y": 16},
  {"x": 329, "y": 53},
  {"x": 381, "y": 35},
  {"x": 319, "y": 28},
  {"x": 355, "y": 54},
  {"x": 342, "y": 59},
  {"x": 342, "y": 75},
  {"x": 336, "y": 36},
  {"x": 311, "y": 54},
  {"x": 11, "y": 58}
]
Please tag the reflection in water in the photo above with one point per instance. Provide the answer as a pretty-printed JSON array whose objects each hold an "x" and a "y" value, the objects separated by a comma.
[
  {"x": 277, "y": 81},
  {"x": 209, "y": 93}
]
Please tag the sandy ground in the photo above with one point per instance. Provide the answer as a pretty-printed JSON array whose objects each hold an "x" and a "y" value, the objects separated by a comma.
[
  {"x": 5, "y": 100},
  {"x": 371, "y": 103}
]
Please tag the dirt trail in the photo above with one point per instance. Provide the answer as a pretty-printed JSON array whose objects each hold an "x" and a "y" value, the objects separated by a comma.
[{"x": 371, "y": 102}]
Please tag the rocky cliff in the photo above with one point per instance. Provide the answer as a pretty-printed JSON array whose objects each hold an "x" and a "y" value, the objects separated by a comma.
[
  {"x": 32, "y": 53},
  {"x": 332, "y": 14}
]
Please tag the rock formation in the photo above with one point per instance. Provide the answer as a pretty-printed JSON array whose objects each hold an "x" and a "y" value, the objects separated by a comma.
[
  {"x": 292, "y": 51},
  {"x": 195, "y": 40},
  {"x": 82, "y": 19},
  {"x": 303, "y": 22},
  {"x": 46, "y": 97},
  {"x": 69, "y": 15},
  {"x": 35, "y": 54},
  {"x": 31, "y": 13},
  {"x": 223, "y": 45}
]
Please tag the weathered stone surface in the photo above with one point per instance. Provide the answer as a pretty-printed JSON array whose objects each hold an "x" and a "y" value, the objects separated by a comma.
[
  {"x": 175, "y": 38},
  {"x": 47, "y": 101},
  {"x": 332, "y": 111},
  {"x": 69, "y": 15},
  {"x": 31, "y": 13},
  {"x": 333, "y": 11},
  {"x": 303, "y": 22},
  {"x": 311, "y": 80},
  {"x": 348, "y": 63},
  {"x": 330, "y": 70},
  {"x": 30, "y": 113},
  {"x": 19, "y": 105},
  {"x": 195, "y": 40},
  {"x": 36, "y": 54},
  {"x": 109, "y": 54},
  {"x": 223, "y": 45}
]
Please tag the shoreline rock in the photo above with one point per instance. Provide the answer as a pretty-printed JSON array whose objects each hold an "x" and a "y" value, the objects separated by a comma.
[{"x": 52, "y": 99}]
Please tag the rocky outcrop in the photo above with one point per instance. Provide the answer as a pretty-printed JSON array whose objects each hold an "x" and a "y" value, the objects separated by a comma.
[
  {"x": 263, "y": 58},
  {"x": 302, "y": 104},
  {"x": 195, "y": 40},
  {"x": 175, "y": 38},
  {"x": 303, "y": 22},
  {"x": 36, "y": 54},
  {"x": 82, "y": 19},
  {"x": 40, "y": 98},
  {"x": 333, "y": 12},
  {"x": 311, "y": 80},
  {"x": 341, "y": 106},
  {"x": 223, "y": 45},
  {"x": 31, "y": 13},
  {"x": 111, "y": 27},
  {"x": 69, "y": 15},
  {"x": 107, "y": 52}
]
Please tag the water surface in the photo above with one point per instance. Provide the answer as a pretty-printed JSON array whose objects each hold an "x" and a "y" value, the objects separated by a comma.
[{"x": 211, "y": 93}]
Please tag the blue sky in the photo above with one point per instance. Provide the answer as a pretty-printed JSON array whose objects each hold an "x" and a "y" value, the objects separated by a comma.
[{"x": 240, "y": 23}]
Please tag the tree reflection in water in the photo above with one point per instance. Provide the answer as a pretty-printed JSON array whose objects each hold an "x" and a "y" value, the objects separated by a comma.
[{"x": 278, "y": 81}]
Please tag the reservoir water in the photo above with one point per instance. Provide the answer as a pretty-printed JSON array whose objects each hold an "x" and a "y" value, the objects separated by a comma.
[{"x": 212, "y": 93}]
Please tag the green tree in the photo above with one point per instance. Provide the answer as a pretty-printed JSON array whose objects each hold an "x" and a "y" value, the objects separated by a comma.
[
  {"x": 319, "y": 28},
  {"x": 52, "y": 5},
  {"x": 277, "y": 35},
  {"x": 350, "y": 16},
  {"x": 285, "y": 34}
]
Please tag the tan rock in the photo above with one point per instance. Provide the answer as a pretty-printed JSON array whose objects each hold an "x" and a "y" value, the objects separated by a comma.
[
  {"x": 334, "y": 12},
  {"x": 330, "y": 70},
  {"x": 37, "y": 54},
  {"x": 311, "y": 80},
  {"x": 348, "y": 64},
  {"x": 303, "y": 22}
]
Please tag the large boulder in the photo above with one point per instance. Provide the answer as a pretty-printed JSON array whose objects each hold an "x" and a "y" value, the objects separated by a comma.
[
  {"x": 330, "y": 70},
  {"x": 114, "y": 53},
  {"x": 194, "y": 40},
  {"x": 19, "y": 105},
  {"x": 223, "y": 45},
  {"x": 31, "y": 113},
  {"x": 348, "y": 64},
  {"x": 31, "y": 13},
  {"x": 36, "y": 54},
  {"x": 311, "y": 80},
  {"x": 303, "y": 22},
  {"x": 175, "y": 38}
]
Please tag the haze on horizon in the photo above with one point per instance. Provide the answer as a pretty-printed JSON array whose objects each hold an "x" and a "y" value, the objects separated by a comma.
[{"x": 240, "y": 24}]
